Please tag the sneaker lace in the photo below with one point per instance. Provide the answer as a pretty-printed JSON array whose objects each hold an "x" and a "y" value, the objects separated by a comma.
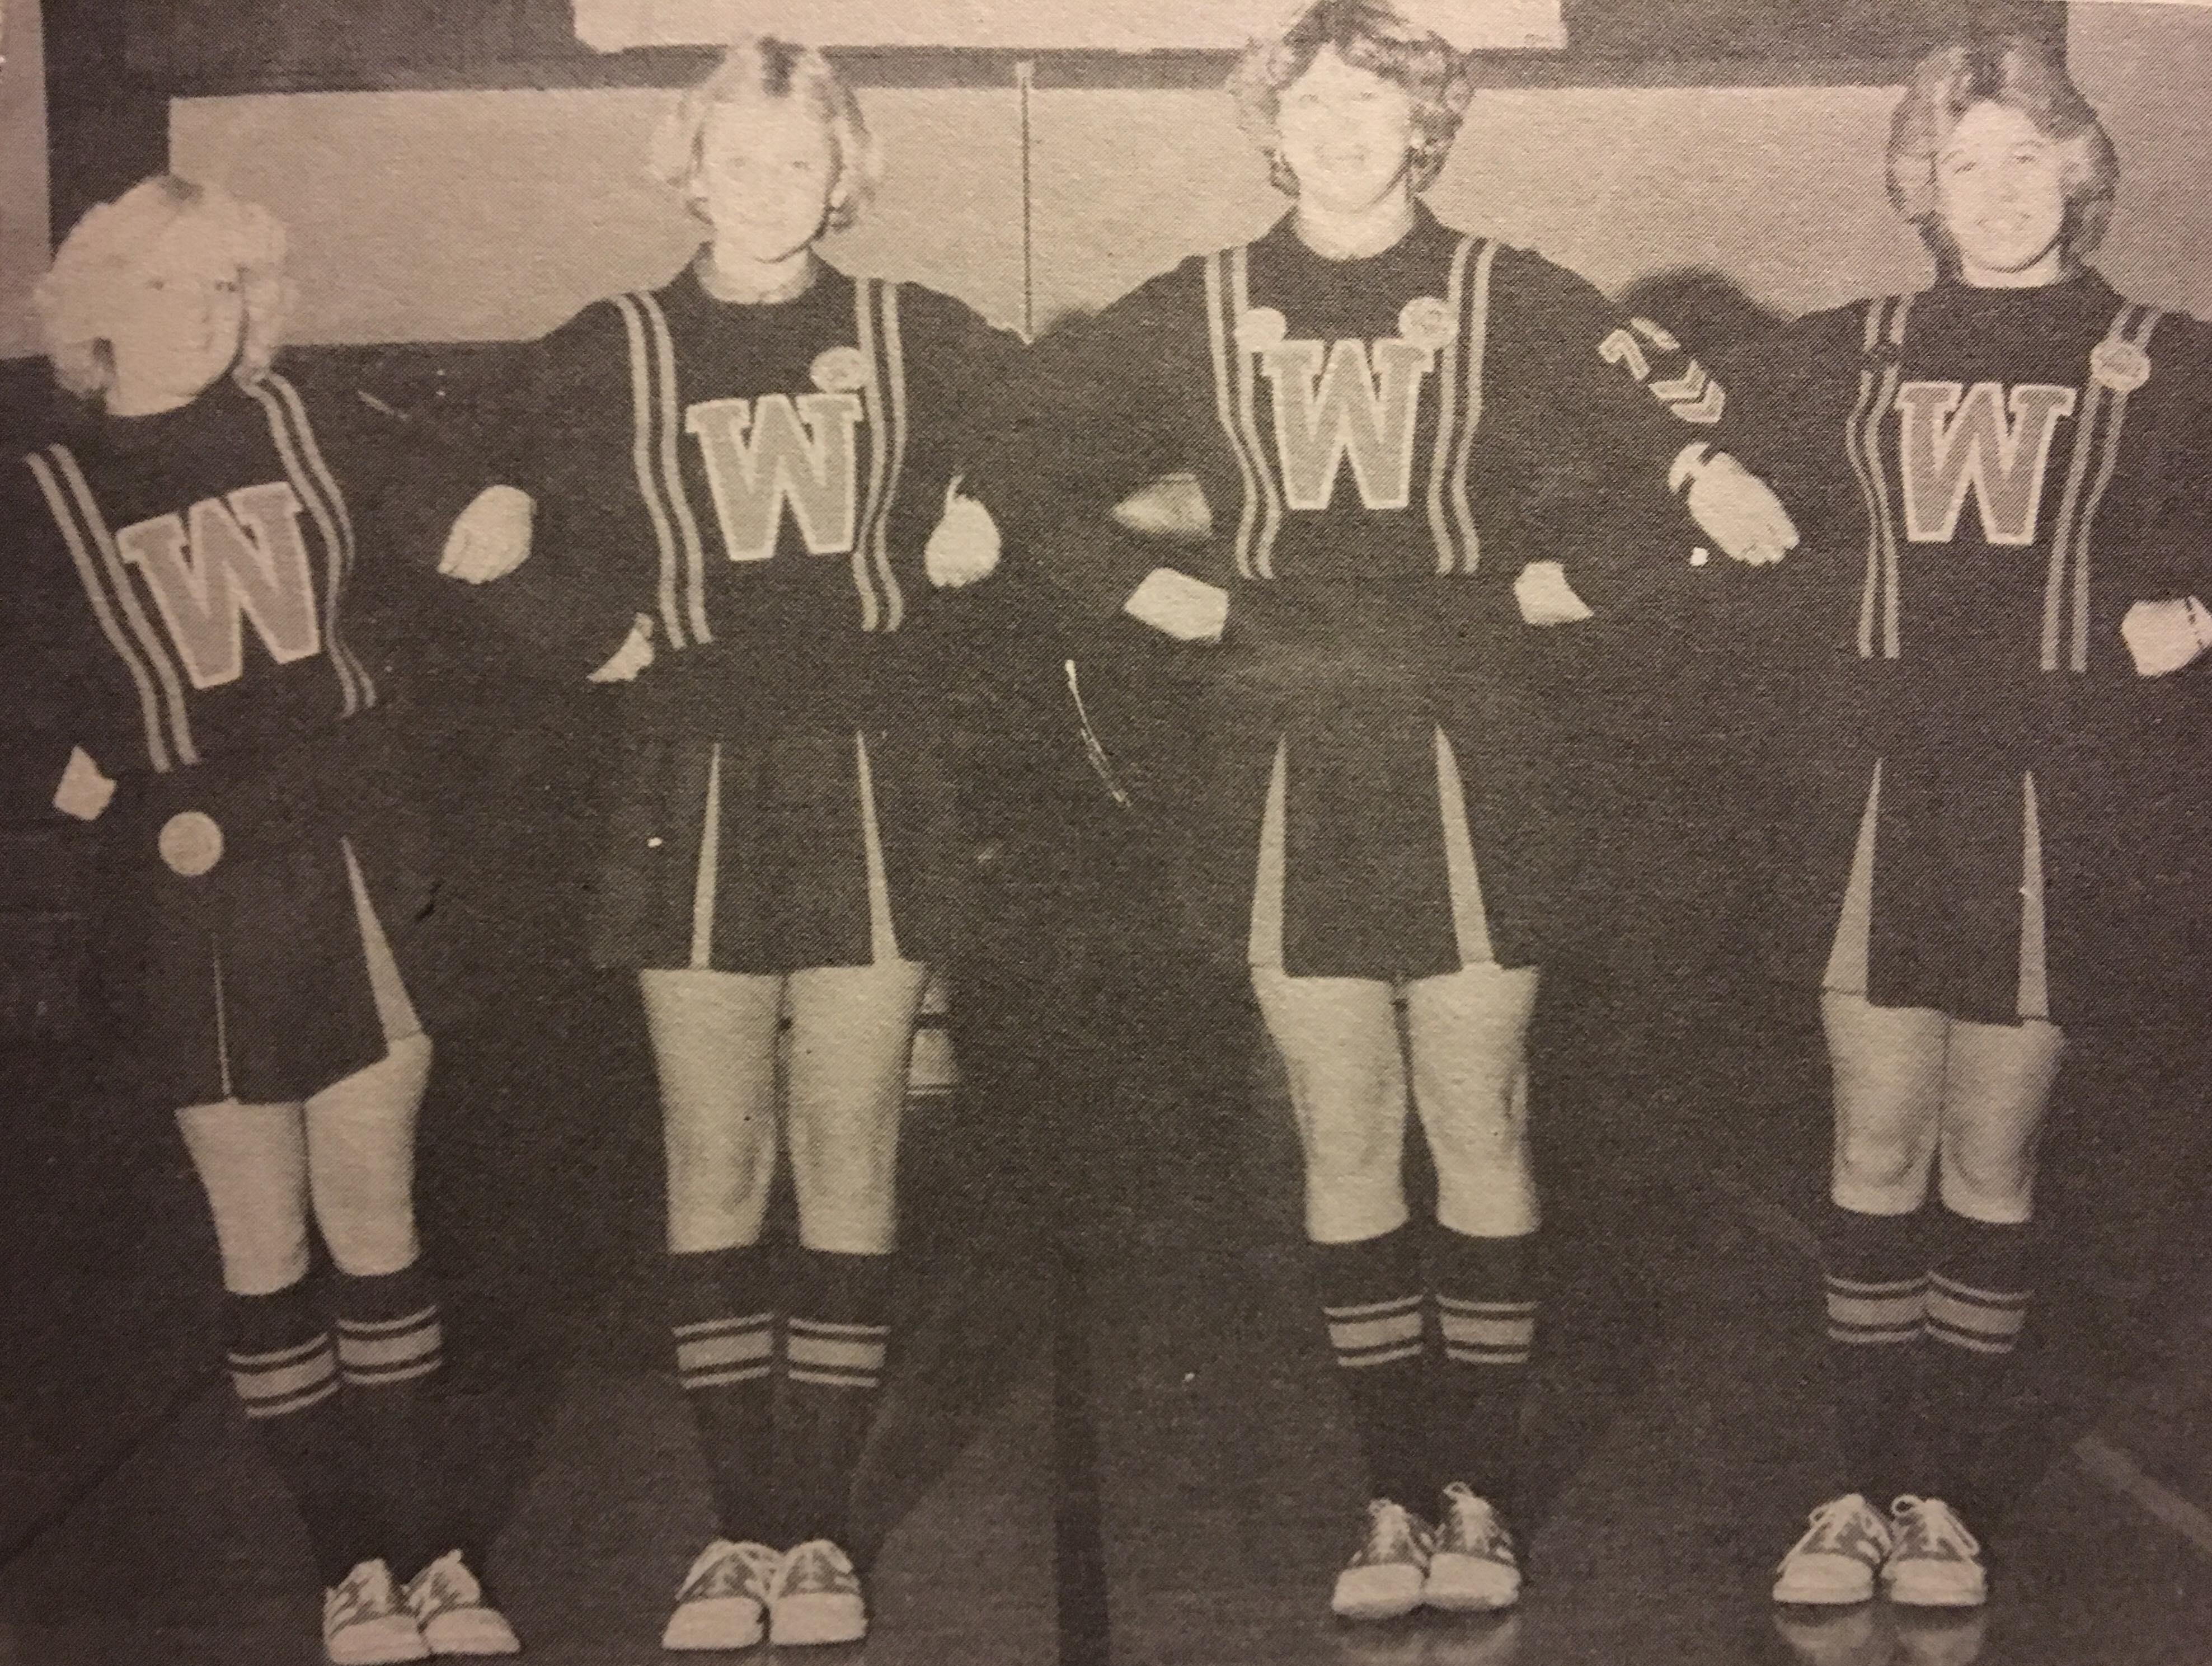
[
  {"x": 1930, "y": 1524},
  {"x": 1392, "y": 1531},
  {"x": 446, "y": 1584},
  {"x": 719, "y": 1571},
  {"x": 1839, "y": 1523},
  {"x": 1474, "y": 1524},
  {"x": 817, "y": 1566},
  {"x": 363, "y": 1593}
]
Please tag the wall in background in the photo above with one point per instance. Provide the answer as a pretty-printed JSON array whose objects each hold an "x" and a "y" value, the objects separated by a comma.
[
  {"x": 24, "y": 234},
  {"x": 492, "y": 214},
  {"x": 2148, "y": 70}
]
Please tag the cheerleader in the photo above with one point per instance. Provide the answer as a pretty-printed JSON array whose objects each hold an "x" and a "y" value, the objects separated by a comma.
[
  {"x": 2002, "y": 481},
  {"x": 182, "y": 675},
  {"x": 740, "y": 469},
  {"x": 1399, "y": 428}
]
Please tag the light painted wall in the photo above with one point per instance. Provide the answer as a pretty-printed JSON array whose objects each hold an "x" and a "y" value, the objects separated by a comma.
[
  {"x": 2148, "y": 71},
  {"x": 24, "y": 234},
  {"x": 483, "y": 215}
]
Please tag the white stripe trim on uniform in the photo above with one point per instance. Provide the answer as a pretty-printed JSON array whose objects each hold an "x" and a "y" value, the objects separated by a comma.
[
  {"x": 221, "y": 1026},
  {"x": 1478, "y": 355},
  {"x": 1847, "y": 970},
  {"x": 2086, "y": 429},
  {"x": 642, "y": 454},
  {"x": 149, "y": 704},
  {"x": 313, "y": 449},
  {"x": 1463, "y": 880},
  {"x": 1855, "y": 441},
  {"x": 1221, "y": 333},
  {"x": 2034, "y": 994},
  {"x": 1270, "y": 497},
  {"x": 672, "y": 465},
  {"x": 1885, "y": 514},
  {"x": 290, "y": 454},
  {"x": 1264, "y": 942},
  {"x": 150, "y": 640},
  {"x": 1447, "y": 407},
  {"x": 395, "y": 1009},
  {"x": 894, "y": 350},
  {"x": 2079, "y": 660},
  {"x": 883, "y": 934},
  {"x": 705, "y": 880},
  {"x": 863, "y": 325}
]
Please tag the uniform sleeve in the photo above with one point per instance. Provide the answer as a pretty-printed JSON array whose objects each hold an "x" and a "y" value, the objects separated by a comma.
[
  {"x": 1790, "y": 396},
  {"x": 56, "y": 697},
  {"x": 1093, "y": 416},
  {"x": 962, "y": 372},
  {"x": 554, "y": 420},
  {"x": 1572, "y": 368},
  {"x": 2175, "y": 560}
]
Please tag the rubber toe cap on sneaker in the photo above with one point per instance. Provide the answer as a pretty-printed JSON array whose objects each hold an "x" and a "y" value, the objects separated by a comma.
[
  {"x": 1383, "y": 1591},
  {"x": 474, "y": 1630},
  {"x": 1823, "y": 1578},
  {"x": 385, "y": 1640},
  {"x": 1464, "y": 1584},
  {"x": 808, "y": 1618},
  {"x": 713, "y": 1622}
]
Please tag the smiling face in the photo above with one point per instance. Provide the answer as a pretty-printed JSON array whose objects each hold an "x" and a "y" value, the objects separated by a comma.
[
  {"x": 766, "y": 170},
  {"x": 2000, "y": 194},
  {"x": 1348, "y": 134},
  {"x": 178, "y": 318}
]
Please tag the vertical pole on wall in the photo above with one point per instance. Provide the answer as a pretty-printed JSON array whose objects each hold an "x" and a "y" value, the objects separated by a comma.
[{"x": 1025, "y": 84}]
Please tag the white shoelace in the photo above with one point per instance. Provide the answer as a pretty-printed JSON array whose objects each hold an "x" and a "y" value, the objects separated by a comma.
[{"x": 1932, "y": 1523}]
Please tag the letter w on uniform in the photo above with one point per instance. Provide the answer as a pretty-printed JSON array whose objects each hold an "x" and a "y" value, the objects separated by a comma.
[
  {"x": 225, "y": 560},
  {"x": 798, "y": 452},
  {"x": 1958, "y": 441},
  {"x": 1349, "y": 406}
]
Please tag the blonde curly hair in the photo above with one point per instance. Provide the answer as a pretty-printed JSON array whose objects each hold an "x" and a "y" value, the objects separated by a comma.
[
  {"x": 2022, "y": 74},
  {"x": 1369, "y": 34},
  {"x": 762, "y": 66},
  {"x": 77, "y": 300}
]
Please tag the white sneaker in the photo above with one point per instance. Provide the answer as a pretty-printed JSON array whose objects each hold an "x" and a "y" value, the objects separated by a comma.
[
  {"x": 455, "y": 1616},
  {"x": 1386, "y": 1575},
  {"x": 1836, "y": 1560},
  {"x": 1937, "y": 1564},
  {"x": 1473, "y": 1566},
  {"x": 365, "y": 1622},
  {"x": 723, "y": 1601},
  {"x": 815, "y": 1598}
]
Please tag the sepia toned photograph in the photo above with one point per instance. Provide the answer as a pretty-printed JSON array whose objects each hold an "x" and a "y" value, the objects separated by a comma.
[{"x": 1009, "y": 832}]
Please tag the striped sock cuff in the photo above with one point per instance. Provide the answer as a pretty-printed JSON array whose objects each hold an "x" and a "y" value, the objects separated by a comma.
[
  {"x": 281, "y": 1381},
  {"x": 718, "y": 1353},
  {"x": 1375, "y": 1333},
  {"x": 1487, "y": 1333},
  {"x": 1979, "y": 1321},
  {"x": 841, "y": 1356},
  {"x": 1875, "y": 1315},
  {"x": 379, "y": 1353}
]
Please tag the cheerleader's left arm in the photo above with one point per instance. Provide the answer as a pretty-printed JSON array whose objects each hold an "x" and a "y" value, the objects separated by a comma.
[{"x": 2169, "y": 625}]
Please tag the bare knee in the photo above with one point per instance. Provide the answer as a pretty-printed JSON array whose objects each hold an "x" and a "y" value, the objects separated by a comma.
[
  {"x": 844, "y": 1167},
  {"x": 1993, "y": 1181},
  {"x": 1883, "y": 1169}
]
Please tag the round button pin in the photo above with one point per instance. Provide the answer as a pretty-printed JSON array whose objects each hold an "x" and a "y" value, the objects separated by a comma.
[{"x": 191, "y": 844}]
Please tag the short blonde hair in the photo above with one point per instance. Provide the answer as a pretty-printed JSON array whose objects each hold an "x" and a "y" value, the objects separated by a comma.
[
  {"x": 1369, "y": 34},
  {"x": 2022, "y": 74},
  {"x": 77, "y": 299},
  {"x": 762, "y": 66}
]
